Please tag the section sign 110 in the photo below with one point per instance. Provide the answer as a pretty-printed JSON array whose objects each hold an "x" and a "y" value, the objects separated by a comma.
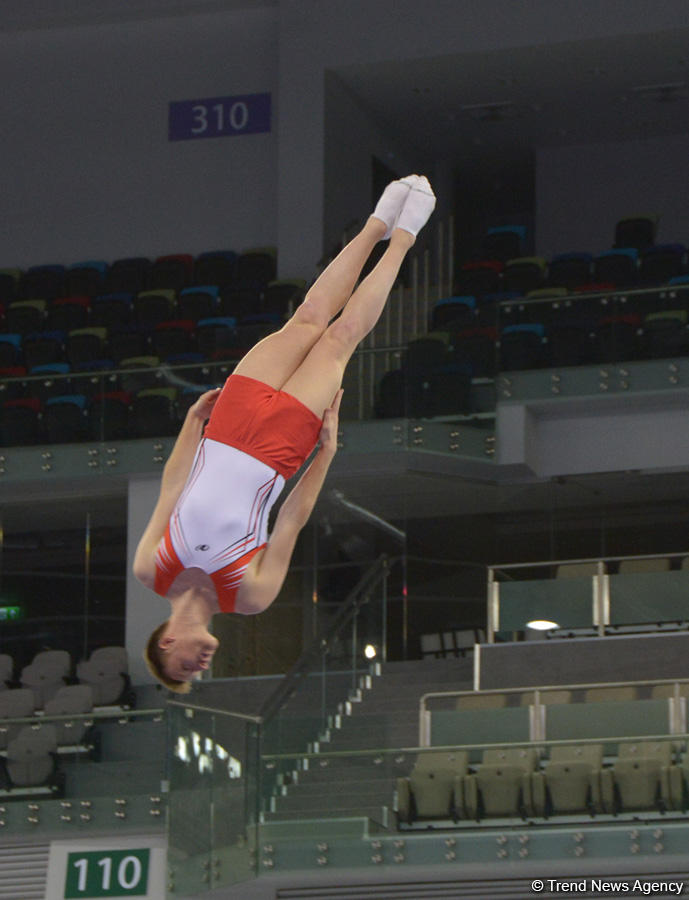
[{"x": 219, "y": 117}]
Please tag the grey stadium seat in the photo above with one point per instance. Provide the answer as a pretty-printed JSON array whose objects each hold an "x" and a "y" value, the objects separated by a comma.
[
  {"x": 639, "y": 778},
  {"x": 502, "y": 785},
  {"x": 59, "y": 660},
  {"x": 105, "y": 678},
  {"x": 429, "y": 792},
  {"x": 14, "y": 704},
  {"x": 74, "y": 698},
  {"x": 44, "y": 680},
  {"x": 31, "y": 756},
  {"x": 6, "y": 670},
  {"x": 570, "y": 781}
]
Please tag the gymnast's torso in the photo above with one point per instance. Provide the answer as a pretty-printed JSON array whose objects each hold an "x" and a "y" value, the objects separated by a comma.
[{"x": 220, "y": 521}]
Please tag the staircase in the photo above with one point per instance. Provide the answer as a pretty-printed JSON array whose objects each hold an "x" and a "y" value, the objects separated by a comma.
[{"x": 383, "y": 715}]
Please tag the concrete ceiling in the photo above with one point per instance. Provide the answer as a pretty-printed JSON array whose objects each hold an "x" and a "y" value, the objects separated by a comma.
[
  {"x": 32, "y": 15},
  {"x": 505, "y": 103}
]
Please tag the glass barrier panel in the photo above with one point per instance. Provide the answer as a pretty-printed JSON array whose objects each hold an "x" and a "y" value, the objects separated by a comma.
[
  {"x": 566, "y": 601},
  {"x": 105, "y": 768},
  {"x": 213, "y": 799},
  {"x": 649, "y": 597},
  {"x": 190, "y": 808}
]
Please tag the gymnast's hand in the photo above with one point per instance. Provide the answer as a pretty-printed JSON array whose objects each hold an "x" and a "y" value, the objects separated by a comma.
[
  {"x": 328, "y": 434},
  {"x": 203, "y": 407}
]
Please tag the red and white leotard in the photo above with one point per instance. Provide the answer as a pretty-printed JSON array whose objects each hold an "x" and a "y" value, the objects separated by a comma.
[{"x": 257, "y": 437}]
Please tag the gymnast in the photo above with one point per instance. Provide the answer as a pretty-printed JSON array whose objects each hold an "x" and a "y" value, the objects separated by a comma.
[{"x": 206, "y": 547}]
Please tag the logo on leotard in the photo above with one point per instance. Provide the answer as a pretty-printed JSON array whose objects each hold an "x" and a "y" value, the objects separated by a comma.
[{"x": 202, "y": 547}]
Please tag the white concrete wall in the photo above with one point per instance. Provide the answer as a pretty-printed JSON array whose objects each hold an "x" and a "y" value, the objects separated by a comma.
[
  {"x": 87, "y": 170},
  {"x": 582, "y": 191}
]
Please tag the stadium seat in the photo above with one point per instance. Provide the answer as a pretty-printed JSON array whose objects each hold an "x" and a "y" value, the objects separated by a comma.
[
  {"x": 522, "y": 347},
  {"x": 215, "y": 267},
  {"x": 31, "y": 757},
  {"x": 154, "y": 412},
  {"x": 618, "y": 267},
  {"x": 53, "y": 381},
  {"x": 20, "y": 422},
  {"x": 502, "y": 784},
  {"x": 16, "y": 703},
  {"x": 659, "y": 264},
  {"x": 479, "y": 277},
  {"x": 68, "y": 313},
  {"x": 76, "y": 699},
  {"x": 65, "y": 418},
  {"x": 127, "y": 341},
  {"x": 26, "y": 316},
  {"x": 570, "y": 781},
  {"x": 281, "y": 297},
  {"x": 665, "y": 334},
  {"x": 108, "y": 416},
  {"x": 128, "y": 275},
  {"x": 154, "y": 306},
  {"x": 256, "y": 267},
  {"x": 216, "y": 333},
  {"x": 237, "y": 302},
  {"x": 171, "y": 272},
  {"x": 433, "y": 790},
  {"x": 524, "y": 274},
  {"x": 43, "y": 680},
  {"x": 453, "y": 313},
  {"x": 6, "y": 670},
  {"x": 86, "y": 344},
  {"x": 173, "y": 337},
  {"x": 636, "y": 231},
  {"x": 43, "y": 282},
  {"x": 9, "y": 284},
  {"x": 199, "y": 302},
  {"x": 618, "y": 338},
  {"x": 86, "y": 278},
  {"x": 503, "y": 242},
  {"x": 43, "y": 347},
  {"x": 106, "y": 678},
  {"x": 569, "y": 270},
  {"x": 139, "y": 372},
  {"x": 477, "y": 347},
  {"x": 639, "y": 779},
  {"x": 111, "y": 310},
  {"x": 10, "y": 350}
]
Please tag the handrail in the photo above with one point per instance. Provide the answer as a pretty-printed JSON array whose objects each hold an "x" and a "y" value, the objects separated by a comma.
[
  {"x": 448, "y": 748},
  {"x": 257, "y": 720},
  {"x": 582, "y": 686},
  {"x": 105, "y": 715},
  {"x": 590, "y": 559},
  {"x": 353, "y": 602}
]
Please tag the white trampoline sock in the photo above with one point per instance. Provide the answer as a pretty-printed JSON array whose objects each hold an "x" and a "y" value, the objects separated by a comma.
[
  {"x": 391, "y": 202},
  {"x": 418, "y": 206}
]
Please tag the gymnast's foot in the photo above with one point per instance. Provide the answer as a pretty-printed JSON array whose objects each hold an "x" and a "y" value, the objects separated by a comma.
[
  {"x": 392, "y": 201},
  {"x": 418, "y": 206}
]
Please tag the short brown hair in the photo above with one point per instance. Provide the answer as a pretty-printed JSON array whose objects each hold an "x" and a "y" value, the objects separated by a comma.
[{"x": 154, "y": 661}]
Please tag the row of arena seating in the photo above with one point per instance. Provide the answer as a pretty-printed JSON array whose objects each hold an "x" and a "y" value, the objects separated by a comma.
[
  {"x": 147, "y": 309},
  {"x": 253, "y": 267},
  {"x": 110, "y": 416},
  {"x": 105, "y": 673},
  {"x": 499, "y": 262},
  {"x": 651, "y": 776},
  {"x": 98, "y": 348}
]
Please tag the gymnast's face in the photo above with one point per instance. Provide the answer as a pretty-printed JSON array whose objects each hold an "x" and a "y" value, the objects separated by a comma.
[{"x": 188, "y": 654}]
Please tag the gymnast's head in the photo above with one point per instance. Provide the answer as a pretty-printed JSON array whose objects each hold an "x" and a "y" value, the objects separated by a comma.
[{"x": 175, "y": 658}]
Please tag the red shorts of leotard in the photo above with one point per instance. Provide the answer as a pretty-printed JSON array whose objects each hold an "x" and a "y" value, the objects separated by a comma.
[{"x": 268, "y": 424}]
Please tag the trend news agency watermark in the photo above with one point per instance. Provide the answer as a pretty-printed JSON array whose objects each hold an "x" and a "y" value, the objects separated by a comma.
[{"x": 629, "y": 886}]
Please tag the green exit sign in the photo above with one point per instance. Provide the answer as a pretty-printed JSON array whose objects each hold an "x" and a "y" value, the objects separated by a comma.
[
  {"x": 10, "y": 613},
  {"x": 107, "y": 873}
]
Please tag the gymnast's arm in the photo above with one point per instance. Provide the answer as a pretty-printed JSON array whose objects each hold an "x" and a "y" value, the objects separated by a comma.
[
  {"x": 174, "y": 478},
  {"x": 259, "y": 589}
]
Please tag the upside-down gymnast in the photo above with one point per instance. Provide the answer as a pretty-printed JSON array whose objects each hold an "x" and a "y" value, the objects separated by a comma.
[{"x": 205, "y": 547}]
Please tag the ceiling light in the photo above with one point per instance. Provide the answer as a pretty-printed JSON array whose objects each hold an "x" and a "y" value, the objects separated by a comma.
[
  {"x": 370, "y": 651},
  {"x": 541, "y": 624}
]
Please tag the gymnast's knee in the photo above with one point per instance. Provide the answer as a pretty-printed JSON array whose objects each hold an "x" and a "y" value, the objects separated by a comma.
[{"x": 311, "y": 314}]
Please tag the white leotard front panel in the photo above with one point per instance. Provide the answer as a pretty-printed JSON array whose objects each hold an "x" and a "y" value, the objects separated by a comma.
[{"x": 222, "y": 513}]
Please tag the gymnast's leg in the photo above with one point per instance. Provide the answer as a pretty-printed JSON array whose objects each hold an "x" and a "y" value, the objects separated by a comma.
[
  {"x": 277, "y": 357},
  {"x": 317, "y": 379}
]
